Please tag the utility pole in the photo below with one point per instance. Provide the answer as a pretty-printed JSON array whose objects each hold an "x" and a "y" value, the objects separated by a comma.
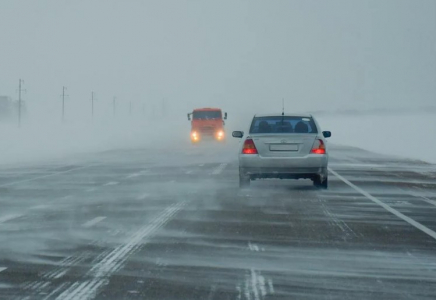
[
  {"x": 20, "y": 81},
  {"x": 63, "y": 103},
  {"x": 92, "y": 104},
  {"x": 114, "y": 104}
]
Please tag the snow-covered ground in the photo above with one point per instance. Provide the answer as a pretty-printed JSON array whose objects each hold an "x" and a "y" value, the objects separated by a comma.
[
  {"x": 406, "y": 135},
  {"x": 37, "y": 141}
]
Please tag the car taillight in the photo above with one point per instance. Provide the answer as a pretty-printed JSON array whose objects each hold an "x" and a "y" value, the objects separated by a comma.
[
  {"x": 249, "y": 147},
  {"x": 318, "y": 147}
]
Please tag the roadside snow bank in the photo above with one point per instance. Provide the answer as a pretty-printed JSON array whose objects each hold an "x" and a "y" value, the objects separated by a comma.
[
  {"x": 54, "y": 141},
  {"x": 407, "y": 135},
  {"x": 411, "y": 136}
]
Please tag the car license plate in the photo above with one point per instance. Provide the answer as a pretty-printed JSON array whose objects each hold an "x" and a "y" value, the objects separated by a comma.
[{"x": 285, "y": 147}]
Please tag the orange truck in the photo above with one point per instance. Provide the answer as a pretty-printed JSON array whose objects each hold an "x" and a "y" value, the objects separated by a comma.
[{"x": 207, "y": 123}]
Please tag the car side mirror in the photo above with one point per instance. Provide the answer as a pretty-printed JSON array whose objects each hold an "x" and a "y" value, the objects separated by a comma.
[
  {"x": 225, "y": 116},
  {"x": 327, "y": 134},
  {"x": 189, "y": 117},
  {"x": 238, "y": 134}
]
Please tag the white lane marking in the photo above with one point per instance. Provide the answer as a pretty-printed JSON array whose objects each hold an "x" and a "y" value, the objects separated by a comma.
[
  {"x": 113, "y": 261},
  {"x": 46, "y": 176},
  {"x": 143, "y": 196},
  {"x": 387, "y": 207},
  {"x": 67, "y": 197},
  {"x": 188, "y": 172},
  {"x": 201, "y": 165},
  {"x": 90, "y": 190},
  {"x": 9, "y": 217},
  {"x": 93, "y": 222},
  {"x": 425, "y": 199},
  {"x": 219, "y": 169},
  {"x": 111, "y": 183},
  {"x": 2, "y": 269}
]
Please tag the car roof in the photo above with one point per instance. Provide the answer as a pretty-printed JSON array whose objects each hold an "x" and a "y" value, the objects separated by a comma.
[{"x": 303, "y": 115}]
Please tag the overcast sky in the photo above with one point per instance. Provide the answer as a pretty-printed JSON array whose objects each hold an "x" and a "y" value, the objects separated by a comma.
[{"x": 231, "y": 54}]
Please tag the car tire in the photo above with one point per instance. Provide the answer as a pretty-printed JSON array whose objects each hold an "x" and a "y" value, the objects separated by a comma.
[
  {"x": 324, "y": 184},
  {"x": 316, "y": 181},
  {"x": 244, "y": 181}
]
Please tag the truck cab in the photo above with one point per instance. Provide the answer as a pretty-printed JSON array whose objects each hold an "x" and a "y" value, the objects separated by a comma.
[{"x": 207, "y": 123}]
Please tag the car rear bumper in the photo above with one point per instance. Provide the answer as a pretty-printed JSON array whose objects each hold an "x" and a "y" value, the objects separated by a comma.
[
  {"x": 279, "y": 167},
  {"x": 256, "y": 173}
]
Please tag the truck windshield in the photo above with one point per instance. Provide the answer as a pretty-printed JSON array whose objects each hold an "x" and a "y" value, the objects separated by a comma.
[{"x": 206, "y": 115}]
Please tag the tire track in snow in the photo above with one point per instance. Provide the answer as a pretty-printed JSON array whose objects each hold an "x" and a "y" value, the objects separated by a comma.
[
  {"x": 112, "y": 262},
  {"x": 10, "y": 217},
  {"x": 347, "y": 231},
  {"x": 46, "y": 176},
  {"x": 94, "y": 221},
  {"x": 219, "y": 169},
  {"x": 62, "y": 268}
]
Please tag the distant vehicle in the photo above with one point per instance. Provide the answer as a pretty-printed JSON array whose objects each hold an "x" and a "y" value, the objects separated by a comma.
[
  {"x": 285, "y": 147},
  {"x": 207, "y": 123}
]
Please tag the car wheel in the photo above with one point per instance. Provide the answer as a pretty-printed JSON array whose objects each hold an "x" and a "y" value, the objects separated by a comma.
[
  {"x": 317, "y": 181},
  {"x": 324, "y": 184},
  {"x": 244, "y": 181}
]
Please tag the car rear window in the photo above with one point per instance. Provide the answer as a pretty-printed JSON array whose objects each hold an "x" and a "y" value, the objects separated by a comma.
[{"x": 283, "y": 124}]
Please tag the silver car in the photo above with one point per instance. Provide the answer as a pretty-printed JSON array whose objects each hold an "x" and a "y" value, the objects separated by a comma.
[{"x": 283, "y": 146}]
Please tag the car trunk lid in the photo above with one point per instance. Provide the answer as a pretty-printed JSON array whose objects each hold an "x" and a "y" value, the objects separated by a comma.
[{"x": 284, "y": 145}]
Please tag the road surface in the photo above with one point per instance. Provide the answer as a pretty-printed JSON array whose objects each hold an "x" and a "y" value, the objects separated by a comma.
[{"x": 173, "y": 224}]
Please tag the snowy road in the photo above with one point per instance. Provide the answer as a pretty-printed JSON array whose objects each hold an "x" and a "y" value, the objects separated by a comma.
[{"x": 155, "y": 224}]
